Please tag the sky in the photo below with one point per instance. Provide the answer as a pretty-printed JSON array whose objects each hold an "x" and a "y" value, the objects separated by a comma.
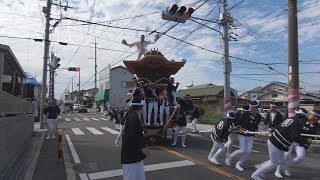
[{"x": 260, "y": 54}]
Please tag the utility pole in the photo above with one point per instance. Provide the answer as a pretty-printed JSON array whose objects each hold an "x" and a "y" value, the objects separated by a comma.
[
  {"x": 45, "y": 63},
  {"x": 224, "y": 17},
  {"x": 71, "y": 89},
  {"x": 293, "y": 60},
  {"x": 95, "y": 65},
  {"x": 79, "y": 88}
]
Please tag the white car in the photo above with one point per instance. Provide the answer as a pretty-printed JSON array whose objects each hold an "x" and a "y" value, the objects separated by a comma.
[
  {"x": 262, "y": 112},
  {"x": 76, "y": 107}
]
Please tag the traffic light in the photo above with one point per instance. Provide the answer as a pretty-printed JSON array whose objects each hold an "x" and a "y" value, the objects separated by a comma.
[
  {"x": 56, "y": 63},
  {"x": 73, "y": 69},
  {"x": 177, "y": 15}
]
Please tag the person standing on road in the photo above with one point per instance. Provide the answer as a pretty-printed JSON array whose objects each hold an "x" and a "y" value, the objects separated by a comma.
[
  {"x": 195, "y": 118},
  {"x": 133, "y": 150},
  {"x": 181, "y": 121},
  {"x": 52, "y": 112},
  {"x": 248, "y": 122},
  {"x": 274, "y": 118},
  {"x": 220, "y": 135},
  {"x": 280, "y": 142}
]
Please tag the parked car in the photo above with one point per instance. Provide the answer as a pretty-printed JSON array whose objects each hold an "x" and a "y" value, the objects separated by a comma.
[
  {"x": 82, "y": 109},
  {"x": 263, "y": 113},
  {"x": 76, "y": 107}
]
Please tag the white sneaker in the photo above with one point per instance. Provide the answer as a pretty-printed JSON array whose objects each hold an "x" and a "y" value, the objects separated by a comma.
[
  {"x": 156, "y": 124},
  {"x": 53, "y": 137},
  {"x": 173, "y": 144},
  {"x": 184, "y": 146},
  {"x": 278, "y": 174},
  {"x": 238, "y": 166},
  {"x": 255, "y": 177},
  {"x": 287, "y": 172},
  {"x": 214, "y": 161},
  {"x": 48, "y": 138},
  {"x": 228, "y": 161}
]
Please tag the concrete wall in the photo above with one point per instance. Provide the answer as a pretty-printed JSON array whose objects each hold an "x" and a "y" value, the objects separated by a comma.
[{"x": 16, "y": 128}]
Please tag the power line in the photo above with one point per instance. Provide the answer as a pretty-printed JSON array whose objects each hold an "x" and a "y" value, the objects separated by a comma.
[{"x": 235, "y": 5}]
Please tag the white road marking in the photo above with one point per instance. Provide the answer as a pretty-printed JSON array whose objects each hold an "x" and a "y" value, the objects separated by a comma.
[
  {"x": 77, "y": 131},
  {"x": 77, "y": 119},
  {"x": 152, "y": 167},
  {"x": 96, "y": 119},
  {"x": 81, "y": 115},
  {"x": 67, "y": 119},
  {"x": 251, "y": 150},
  {"x": 86, "y": 119},
  {"x": 110, "y": 130},
  {"x": 73, "y": 150},
  {"x": 83, "y": 176},
  {"x": 94, "y": 130},
  {"x": 104, "y": 119}
]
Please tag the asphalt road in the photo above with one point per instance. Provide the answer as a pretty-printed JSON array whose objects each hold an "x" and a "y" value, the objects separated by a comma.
[{"x": 96, "y": 157}]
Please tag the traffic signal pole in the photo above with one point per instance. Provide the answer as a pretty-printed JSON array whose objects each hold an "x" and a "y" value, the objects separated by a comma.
[
  {"x": 293, "y": 60},
  {"x": 45, "y": 64},
  {"x": 227, "y": 63},
  {"x": 79, "y": 88}
]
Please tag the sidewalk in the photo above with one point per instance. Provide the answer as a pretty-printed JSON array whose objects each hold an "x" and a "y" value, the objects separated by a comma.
[{"x": 47, "y": 166}]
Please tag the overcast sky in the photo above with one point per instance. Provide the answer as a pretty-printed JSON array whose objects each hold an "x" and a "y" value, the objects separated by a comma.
[{"x": 261, "y": 27}]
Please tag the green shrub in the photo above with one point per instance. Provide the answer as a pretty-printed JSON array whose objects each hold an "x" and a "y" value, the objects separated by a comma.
[
  {"x": 201, "y": 110},
  {"x": 211, "y": 118}
]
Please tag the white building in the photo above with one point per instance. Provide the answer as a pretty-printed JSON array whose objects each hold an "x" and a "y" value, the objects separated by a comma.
[{"x": 114, "y": 88}]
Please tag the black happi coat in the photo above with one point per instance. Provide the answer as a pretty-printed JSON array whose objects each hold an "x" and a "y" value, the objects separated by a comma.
[
  {"x": 248, "y": 122},
  {"x": 132, "y": 139},
  {"x": 272, "y": 123},
  {"x": 221, "y": 131}
]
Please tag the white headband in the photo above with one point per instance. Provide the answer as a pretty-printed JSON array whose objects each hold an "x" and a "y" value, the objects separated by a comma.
[
  {"x": 300, "y": 111},
  {"x": 256, "y": 105},
  {"x": 135, "y": 104},
  {"x": 312, "y": 112},
  {"x": 241, "y": 109}
]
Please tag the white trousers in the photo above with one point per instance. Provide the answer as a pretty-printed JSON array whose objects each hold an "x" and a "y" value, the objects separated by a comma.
[
  {"x": 166, "y": 109},
  {"x": 246, "y": 144},
  {"x": 134, "y": 171},
  {"x": 174, "y": 98},
  {"x": 143, "y": 112},
  {"x": 152, "y": 106},
  {"x": 231, "y": 138},
  {"x": 216, "y": 151},
  {"x": 183, "y": 130},
  {"x": 51, "y": 123},
  {"x": 276, "y": 158},
  {"x": 301, "y": 155},
  {"x": 194, "y": 124}
]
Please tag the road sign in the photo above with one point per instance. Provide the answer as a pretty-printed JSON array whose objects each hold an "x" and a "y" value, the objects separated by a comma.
[{"x": 254, "y": 96}]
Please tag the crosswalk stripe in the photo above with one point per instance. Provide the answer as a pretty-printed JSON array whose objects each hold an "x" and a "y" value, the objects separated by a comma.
[
  {"x": 95, "y": 119},
  {"x": 77, "y": 131},
  {"x": 86, "y": 119},
  {"x": 94, "y": 130},
  {"x": 77, "y": 119},
  {"x": 68, "y": 119},
  {"x": 110, "y": 130},
  {"x": 104, "y": 119}
]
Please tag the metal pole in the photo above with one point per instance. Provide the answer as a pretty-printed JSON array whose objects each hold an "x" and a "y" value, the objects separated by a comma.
[
  {"x": 52, "y": 85},
  {"x": 71, "y": 89},
  {"x": 45, "y": 64},
  {"x": 227, "y": 62},
  {"x": 293, "y": 61},
  {"x": 95, "y": 72},
  {"x": 79, "y": 88}
]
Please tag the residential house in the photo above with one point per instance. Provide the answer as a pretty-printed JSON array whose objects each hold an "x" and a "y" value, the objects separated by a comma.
[
  {"x": 86, "y": 96},
  {"x": 208, "y": 95},
  {"x": 277, "y": 92}
]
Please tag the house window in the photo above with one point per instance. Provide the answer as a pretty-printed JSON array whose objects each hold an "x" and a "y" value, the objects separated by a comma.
[{"x": 274, "y": 95}]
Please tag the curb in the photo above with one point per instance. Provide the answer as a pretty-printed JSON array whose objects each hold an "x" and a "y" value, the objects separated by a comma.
[
  {"x": 33, "y": 163},
  {"x": 70, "y": 173}
]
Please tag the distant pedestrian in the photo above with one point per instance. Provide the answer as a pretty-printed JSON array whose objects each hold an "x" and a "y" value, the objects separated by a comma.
[
  {"x": 52, "y": 112},
  {"x": 195, "y": 118},
  {"x": 133, "y": 149}
]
